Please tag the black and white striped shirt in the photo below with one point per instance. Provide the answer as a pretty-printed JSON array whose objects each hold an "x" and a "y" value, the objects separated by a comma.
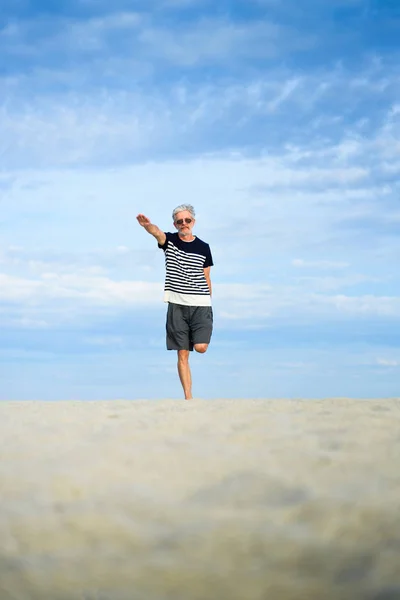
[{"x": 185, "y": 282}]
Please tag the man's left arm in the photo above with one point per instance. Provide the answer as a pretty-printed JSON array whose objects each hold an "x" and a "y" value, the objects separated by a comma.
[{"x": 208, "y": 278}]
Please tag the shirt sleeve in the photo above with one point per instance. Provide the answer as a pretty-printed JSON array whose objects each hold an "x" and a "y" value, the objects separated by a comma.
[
  {"x": 164, "y": 246},
  {"x": 209, "y": 260}
]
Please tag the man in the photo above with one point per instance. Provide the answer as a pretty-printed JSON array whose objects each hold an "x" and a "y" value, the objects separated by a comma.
[{"x": 187, "y": 289}]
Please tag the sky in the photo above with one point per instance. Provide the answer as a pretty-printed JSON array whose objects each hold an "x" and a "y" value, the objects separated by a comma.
[{"x": 279, "y": 120}]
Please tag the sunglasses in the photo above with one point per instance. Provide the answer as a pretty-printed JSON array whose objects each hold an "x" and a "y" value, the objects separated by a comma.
[{"x": 180, "y": 221}]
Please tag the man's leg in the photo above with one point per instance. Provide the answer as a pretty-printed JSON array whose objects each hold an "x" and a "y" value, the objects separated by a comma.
[
  {"x": 184, "y": 373},
  {"x": 201, "y": 328}
]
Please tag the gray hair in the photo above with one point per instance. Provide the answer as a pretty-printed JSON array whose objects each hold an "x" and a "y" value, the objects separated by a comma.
[{"x": 182, "y": 207}]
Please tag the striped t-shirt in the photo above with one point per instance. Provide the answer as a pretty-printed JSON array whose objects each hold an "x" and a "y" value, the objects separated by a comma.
[{"x": 185, "y": 282}]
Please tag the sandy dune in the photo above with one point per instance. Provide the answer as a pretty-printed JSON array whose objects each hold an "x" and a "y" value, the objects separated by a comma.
[{"x": 235, "y": 500}]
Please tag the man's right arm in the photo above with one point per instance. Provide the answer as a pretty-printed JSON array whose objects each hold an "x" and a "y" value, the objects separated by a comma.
[{"x": 152, "y": 229}]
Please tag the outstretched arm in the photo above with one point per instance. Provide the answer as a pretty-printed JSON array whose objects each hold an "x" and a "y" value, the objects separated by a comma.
[{"x": 152, "y": 229}]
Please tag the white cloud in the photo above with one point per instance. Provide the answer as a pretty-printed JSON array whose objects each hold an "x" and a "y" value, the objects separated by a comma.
[
  {"x": 117, "y": 126},
  {"x": 319, "y": 264},
  {"x": 253, "y": 304},
  {"x": 388, "y": 362},
  {"x": 179, "y": 43},
  {"x": 88, "y": 289},
  {"x": 288, "y": 88},
  {"x": 216, "y": 41},
  {"x": 366, "y": 305},
  {"x": 247, "y": 304},
  {"x": 319, "y": 284}
]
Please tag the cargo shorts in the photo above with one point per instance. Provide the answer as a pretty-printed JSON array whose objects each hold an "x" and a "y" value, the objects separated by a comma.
[{"x": 188, "y": 325}]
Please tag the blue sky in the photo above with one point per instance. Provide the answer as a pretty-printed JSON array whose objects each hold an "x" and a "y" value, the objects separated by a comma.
[{"x": 279, "y": 120}]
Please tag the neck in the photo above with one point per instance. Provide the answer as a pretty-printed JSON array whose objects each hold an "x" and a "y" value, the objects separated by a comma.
[{"x": 186, "y": 237}]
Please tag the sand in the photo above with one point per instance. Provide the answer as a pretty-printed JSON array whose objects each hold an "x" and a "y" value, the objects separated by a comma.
[{"x": 224, "y": 499}]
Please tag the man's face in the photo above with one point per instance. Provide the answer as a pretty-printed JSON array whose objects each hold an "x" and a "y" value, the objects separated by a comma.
[{"x": 184, "y": 222}]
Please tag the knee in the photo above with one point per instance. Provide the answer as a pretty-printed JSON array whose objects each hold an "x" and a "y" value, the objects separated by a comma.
[{"x": 201, "y": 348}]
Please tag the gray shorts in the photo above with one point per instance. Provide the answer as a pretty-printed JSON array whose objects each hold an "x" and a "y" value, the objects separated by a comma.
[{"x": 188, "y": 325}]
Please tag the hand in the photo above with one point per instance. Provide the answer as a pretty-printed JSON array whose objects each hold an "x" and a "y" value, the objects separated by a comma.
[{"x": 143, "y": 220}]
